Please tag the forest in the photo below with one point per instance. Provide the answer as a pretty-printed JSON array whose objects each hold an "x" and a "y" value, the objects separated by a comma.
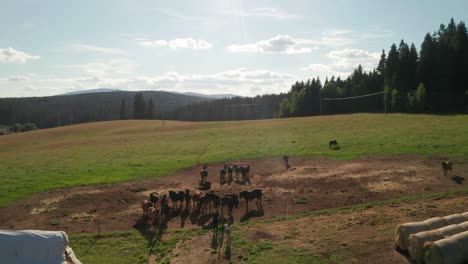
[
  {"x": 429, "y": 81},
  {"x": 53, "y": 111}
]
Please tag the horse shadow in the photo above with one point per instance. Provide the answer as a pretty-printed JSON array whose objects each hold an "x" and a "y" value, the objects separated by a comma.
[
  {"x": 227, "y": 253},
  {"x": 241, "y": 182},
  {"x": 183, "y": 216},
  {"x": 205, "y": 186},
  {"x": 458, "y": 179},
  {"x": 253, "y": 213},
  {"x": 152, "y": 233},
  {"x": 197, "y": 219}
]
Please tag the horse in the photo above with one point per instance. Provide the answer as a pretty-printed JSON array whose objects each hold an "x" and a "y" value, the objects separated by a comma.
[
  {"x": 447, "y": 167},
  {"x": 244, "y": 171},
  {"x": 255, "y": 194},
  {"x": 286, "y": 161},
  {"x": 145, "y": 204},
  {"x": 154, "y": 199},
  {"x": 208, "y": 199},
  {"x": 176, "y": 197},
  {"x": 197, "y": 198},
  {"x": 231, "y": 200},
  {"x": 332, "y": 144},
  {"x": 187, "y": 197},
  {"x": 230, "y": 169},
  {"x": 222, "y": 176},
  {"x": 236, "y": 170},
  {"x": 164, "y": 206},
  {"x": 203, "y": 175}
]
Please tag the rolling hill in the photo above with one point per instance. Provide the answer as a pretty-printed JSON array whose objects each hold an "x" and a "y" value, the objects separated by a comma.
[{"x": 107, "y": 152}]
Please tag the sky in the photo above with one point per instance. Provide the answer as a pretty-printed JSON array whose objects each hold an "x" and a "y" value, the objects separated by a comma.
[{"x": 239, "y": 47}]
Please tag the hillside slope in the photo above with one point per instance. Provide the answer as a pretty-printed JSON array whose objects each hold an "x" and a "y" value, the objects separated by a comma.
[{"x": 118, "y": 151}]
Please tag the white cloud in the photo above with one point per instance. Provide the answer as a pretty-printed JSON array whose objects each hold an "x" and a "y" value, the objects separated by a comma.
[
  {"x": 18, "y": 78},
  {"x": 10, "y": 55},
  {"x": 178, "y": 43},
  {"x": 286, "y": 44},
  {"x": 237, "y": 81},
  {"x": 110, "y": 68},
  {"x": 344, "y": 62},
  {"x": 93, "y": 48},
  {"x": 279, "y": 44}
]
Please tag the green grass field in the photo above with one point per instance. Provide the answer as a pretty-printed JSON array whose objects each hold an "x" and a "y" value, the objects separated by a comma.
[{"x": 118, "y": 151}]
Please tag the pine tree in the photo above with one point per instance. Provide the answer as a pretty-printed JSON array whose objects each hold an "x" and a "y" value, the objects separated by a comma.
[
  {"x": 381, "y": 65},
  {"x": 139, "y": 106},
  {"x": 123, "y": 110},
  {"x": 391, "y": 67},
  {"x": 150, "y": 109}
]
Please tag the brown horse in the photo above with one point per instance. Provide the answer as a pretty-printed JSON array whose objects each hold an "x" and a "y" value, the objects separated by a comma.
[
  {"x": 248, "y": 196},
  {"x": 447, "y": 167}
]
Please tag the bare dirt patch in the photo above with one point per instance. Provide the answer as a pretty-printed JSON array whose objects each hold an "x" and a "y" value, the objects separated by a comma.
[{"x": 310, "y": 184}]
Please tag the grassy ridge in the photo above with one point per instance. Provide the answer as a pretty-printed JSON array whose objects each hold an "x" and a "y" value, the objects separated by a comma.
[{"x": 117, "y": 151}]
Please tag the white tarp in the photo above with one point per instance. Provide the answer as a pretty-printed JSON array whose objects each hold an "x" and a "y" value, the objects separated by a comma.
[{"x": 35, "y": 247}]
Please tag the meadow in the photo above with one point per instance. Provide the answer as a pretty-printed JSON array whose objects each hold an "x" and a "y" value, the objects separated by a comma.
[{"x": 109, "y": 152}]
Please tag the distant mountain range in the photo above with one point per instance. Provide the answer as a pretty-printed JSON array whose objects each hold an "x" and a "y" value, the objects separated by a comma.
[
  {"x": 213, "y": 96},
  {"x": 98, "y": 90},
  {"x": 106, "y": 90}
]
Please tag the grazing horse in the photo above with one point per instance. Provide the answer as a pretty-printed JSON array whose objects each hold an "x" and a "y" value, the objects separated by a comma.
[
  {"x": 332, "y": 144},
  {"x": 197, "y": 198},
  {"x": 236, "y": 170},
  {"x": 447, "y": 167},
  {"x": 208, "y": 199},
  {"x": 187, "y": 197},
  {"x": 222, "y": 176},
  {"x": 154, "y": 199},
  {"x": 176, "y": 197},
  {"x": 145, "y": 204},
  {"x": 230, "y": 169},
  {"x": 255, "y": 194}
]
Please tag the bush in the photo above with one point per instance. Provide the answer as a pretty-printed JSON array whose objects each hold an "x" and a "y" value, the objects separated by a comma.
[
  {"x": 17, "y": 127},
  {"x": 28, "y": 127}
]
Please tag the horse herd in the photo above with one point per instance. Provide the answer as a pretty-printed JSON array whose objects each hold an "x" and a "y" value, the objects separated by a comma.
[
  {"x": 157, "y": 207},
  {"x": 226, "y": 174}
]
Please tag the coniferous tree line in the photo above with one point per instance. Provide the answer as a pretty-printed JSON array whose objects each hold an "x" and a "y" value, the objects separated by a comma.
[
  {"x": 432, "y": 81},
  {"x": 236, "y": 108},
  {"x": 53, "y": 111}
]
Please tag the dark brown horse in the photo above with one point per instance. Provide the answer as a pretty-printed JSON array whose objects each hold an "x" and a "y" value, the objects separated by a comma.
[
  {"x": 203, "y": 175},
  {"x": 187, "y": 197},
  {"x": 176, "y": 197},
  {"x": 209, "y": 199},
  {"x": 154, "y": 199},
  {"x": 222, "y": 176},
  {"x": 248, "y": 196},
  {"x": 230, "y": 200}
]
